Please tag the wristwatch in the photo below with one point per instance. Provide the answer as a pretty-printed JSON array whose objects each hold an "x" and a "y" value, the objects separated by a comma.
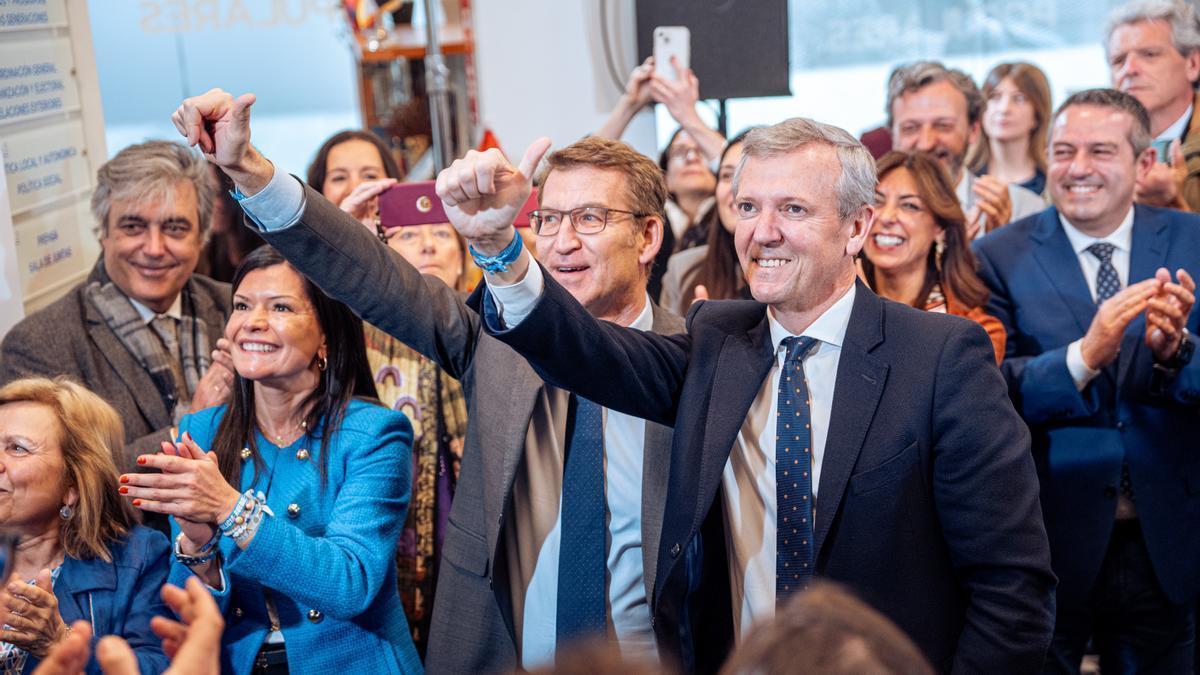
[{"x": 1182, "y": 356}]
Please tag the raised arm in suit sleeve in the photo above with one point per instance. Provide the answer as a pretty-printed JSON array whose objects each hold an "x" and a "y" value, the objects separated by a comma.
[
  {"x": 634, "y": 372},
  {"x": 986, "y": 492},
  {"x": 1042, "y": 386},
  {"x": 351, "y": 265}
]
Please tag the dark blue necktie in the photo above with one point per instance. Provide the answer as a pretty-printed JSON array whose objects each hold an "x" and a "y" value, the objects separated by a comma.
[
  {"x": 582, "y": 564},
  {"x": 793, "y": 474},
  {"x": 1107, "y": 285},
  {"x": 1107, "y": 281}
]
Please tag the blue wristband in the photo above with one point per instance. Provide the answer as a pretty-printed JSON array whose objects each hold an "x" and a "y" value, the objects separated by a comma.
[{"x": 503, "y": 260}]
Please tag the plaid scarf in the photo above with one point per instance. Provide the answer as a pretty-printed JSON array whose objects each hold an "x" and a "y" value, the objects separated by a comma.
[{"x": 140, "y": 339}]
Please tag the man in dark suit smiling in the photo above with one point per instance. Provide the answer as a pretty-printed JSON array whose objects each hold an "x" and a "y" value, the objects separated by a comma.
[{"x": 819, "y": 430}]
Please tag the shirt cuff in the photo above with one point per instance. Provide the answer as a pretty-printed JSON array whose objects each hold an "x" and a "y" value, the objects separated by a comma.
[
  {"x": 514, "y": 302},
  {"x": 277, "y": 206},
  {"x": 1075, "y": 365}
]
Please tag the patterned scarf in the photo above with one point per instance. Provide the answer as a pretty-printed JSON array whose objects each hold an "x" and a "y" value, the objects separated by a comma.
[
  {"x": 139, "y": 338},
  {"x": 437, "y": 408}
]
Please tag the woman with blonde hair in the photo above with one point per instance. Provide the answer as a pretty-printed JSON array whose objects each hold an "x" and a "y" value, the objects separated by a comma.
[
  {"x": 80, "y": 553},
  {"x": 1012, "y": 143},
  {"x": 917, "y": 251}
]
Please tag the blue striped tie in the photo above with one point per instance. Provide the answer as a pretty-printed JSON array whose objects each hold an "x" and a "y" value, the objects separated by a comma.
[
  {"x": 793, "y": 474},
  {"x": 582, "y": 564}
]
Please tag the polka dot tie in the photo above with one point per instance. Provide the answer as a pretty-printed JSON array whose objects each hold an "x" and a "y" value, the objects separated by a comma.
[
  {"x": 793, "y": 474},
  {"x": 1107, "y": 285},
  {"x": 582, "y": 564},
  {"x": 1107, "y": 281}
]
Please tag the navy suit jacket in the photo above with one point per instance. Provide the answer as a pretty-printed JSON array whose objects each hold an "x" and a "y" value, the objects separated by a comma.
[
  {"x": 1128, "y": 413},
  {"x": 928, "y": 494}
]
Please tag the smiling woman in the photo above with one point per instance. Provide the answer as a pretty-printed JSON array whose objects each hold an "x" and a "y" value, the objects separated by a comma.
[
  {"x": 80, "y": 554},
  {"x": 296, "y": 467}
]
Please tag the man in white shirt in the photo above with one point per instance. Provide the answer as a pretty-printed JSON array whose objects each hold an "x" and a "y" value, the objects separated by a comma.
[
  {"x": 824, "y": 431},
  {"x": 937, "y": 110},
  {"x": 540, "y": 550},
  {"x": 1098, "y": 310},
  {"x": 142, "y": 331},
  {"x": 1153, "y": 50}
]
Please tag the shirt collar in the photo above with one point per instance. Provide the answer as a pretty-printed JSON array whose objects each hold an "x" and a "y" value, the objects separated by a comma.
[
  {"x": 175, "y": 311},
  {"x": 1178, "y": 128},
  {"x": 1122, "y": 237},
  {"x": 644, "y": 320},
  {"x": 829, "y": 328}
]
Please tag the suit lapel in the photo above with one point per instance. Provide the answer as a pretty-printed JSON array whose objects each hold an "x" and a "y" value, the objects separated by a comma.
[
  {"x": 859, "y": 385},
  {"x": 510, "y": 433},
  {"x": 141, "y": 388},
  {"x": 1148, "y": 245},
  {"x": 1058, "y": 260},
  {"x": 742, "y": 365}
]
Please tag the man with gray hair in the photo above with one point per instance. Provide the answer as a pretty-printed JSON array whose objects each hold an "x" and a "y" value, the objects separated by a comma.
[
  {"x": 142, "y": 330},
  {"x": 937, "y": 110},
  {"x": 819, "y": 429},
  {"x": 1153, "y": 49}
]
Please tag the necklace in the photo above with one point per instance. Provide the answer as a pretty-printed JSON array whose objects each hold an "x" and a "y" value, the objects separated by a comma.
[{"x": 291, "y": 435}]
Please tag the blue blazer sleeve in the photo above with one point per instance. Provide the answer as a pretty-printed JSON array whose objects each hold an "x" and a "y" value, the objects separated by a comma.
[
  {"x": 1041, "y": 386},
  {"x": 635, "y": 372},
  {"x": 146, "y": 602},
  {"x": 343, "y": 571}
]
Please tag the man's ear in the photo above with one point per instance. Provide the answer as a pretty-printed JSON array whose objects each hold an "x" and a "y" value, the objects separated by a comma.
[
  {"x": 652, "y": 239},
  {"x": 860, "y": 225}
]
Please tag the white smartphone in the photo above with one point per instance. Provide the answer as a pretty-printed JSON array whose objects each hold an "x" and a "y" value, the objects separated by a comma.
[{"x": 671, "y": 41}]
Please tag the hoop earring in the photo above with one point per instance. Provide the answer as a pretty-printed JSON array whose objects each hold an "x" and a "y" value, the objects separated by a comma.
[
  {"x": 66, "y": 512},
  {"x": 322, "y": 363}
]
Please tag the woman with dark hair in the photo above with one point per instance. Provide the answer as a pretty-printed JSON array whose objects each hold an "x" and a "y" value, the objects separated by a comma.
[
  {"x": 1012, "y": 143},
  {"x": 711, "y": 270},
  {"x": 351, "y": 168},
  {"x": 288, "y": 501},
  {"x": 917, "y": 251},
  {"x": 406, "y": 380}
]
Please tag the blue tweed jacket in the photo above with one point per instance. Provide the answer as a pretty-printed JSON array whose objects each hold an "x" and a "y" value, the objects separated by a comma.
[{"x": 326, "y": 557}]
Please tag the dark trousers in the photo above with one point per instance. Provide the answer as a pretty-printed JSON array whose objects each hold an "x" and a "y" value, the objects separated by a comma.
[{"x": 1132, "y": 624}]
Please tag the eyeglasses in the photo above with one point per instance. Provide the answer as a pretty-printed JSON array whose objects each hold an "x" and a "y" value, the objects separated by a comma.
[
  {"x": 685, "y": 154},
  {"x": 585, "y": 219}
]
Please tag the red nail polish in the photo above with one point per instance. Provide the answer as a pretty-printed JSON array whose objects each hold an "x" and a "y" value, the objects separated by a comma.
[
  {"x": 141, "y": 460},
  {"x": 124, "y": 479},
  {"x": 137, "y": 502},
  {"x": 124, "y": 490}
]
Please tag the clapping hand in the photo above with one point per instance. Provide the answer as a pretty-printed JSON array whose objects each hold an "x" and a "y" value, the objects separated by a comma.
[
  {"x": 1167, "y": 313},
  {"x": 31, "y": 614}
]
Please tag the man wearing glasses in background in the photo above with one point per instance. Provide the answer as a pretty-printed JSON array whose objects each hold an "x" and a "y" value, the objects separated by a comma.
[{"x": 529, "y": 565}]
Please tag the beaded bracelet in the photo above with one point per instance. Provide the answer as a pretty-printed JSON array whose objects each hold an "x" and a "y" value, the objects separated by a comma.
[
  {"x": 241, "y": 505},
  {"x": 192, "y": 560}
]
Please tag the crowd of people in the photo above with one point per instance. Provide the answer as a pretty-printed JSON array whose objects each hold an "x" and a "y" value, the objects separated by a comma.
[{"x": 786, "y": 401}]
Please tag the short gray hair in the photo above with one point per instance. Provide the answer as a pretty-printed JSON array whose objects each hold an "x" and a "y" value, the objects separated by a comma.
[
  {"x": 1139, "y": 130},
  {"x": 152, "y": 169},
  {"x": 856, "y": 184},
  {"x": 1181, "y": 16},
  {"x": 915, "y": 76}
]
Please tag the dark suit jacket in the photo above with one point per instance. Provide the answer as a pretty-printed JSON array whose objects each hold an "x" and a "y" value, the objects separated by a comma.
[
  {"x": 1126, "y": 414},
  {"x": 472, "y": 616},
  {"x": 928, "y": 495},
  {"x": 69, "y": 337}
]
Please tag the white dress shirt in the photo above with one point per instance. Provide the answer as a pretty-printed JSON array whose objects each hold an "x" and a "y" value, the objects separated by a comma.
[
  {"x": 1178, "y": 128},
  {"x": 748, "y": 481},
  {"x": 280, "y": 205},
  {"x": 1122, "y": 241}
]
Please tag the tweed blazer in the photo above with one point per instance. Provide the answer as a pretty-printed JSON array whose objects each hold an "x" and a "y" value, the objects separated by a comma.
[
  {"x": 326, "y": 557},
  {"x": 69, "y": 337},
  {"x": 473, "y": 629}
]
